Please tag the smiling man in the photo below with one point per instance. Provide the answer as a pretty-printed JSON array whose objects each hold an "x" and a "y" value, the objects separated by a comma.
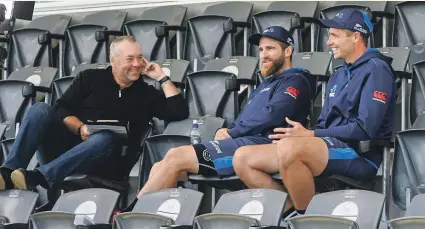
[
  {"x": 359, "y": 106},
  {"x": 60, "y": 133},
  {"x": 285, "y": 92}
]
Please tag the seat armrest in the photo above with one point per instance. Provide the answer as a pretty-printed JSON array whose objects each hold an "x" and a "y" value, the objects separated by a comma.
[
  {"x": 95, "y": 226},
  {"x": 163, "y": 30},
  {"x": 233, "y": 84},
  {"x": 177, "y": 227}
]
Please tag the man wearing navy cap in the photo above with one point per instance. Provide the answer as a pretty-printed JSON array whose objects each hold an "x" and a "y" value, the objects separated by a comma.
[
  {"x": 359, "y": 106},
  {"x": 285, "y": 92}
]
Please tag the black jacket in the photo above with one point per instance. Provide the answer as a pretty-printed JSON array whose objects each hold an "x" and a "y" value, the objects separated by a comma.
[{"x": 95, "y": 95}]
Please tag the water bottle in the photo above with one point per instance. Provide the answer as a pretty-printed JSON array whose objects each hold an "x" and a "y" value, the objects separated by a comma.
[{"x": 195, "y": 134}]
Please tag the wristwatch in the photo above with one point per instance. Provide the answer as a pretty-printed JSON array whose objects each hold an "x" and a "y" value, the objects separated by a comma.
[{"x": 163, "y": 80}]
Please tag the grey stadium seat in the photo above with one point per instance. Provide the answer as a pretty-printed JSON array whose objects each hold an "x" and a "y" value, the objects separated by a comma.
[
  {"x": 31, "y": 46},
  {"x": 207, "y": 95},
  {"x": 211, "y": 35},
  {"x": 87, "y": 43},
  {"x": 414, "y": 217},
  {"x": 16, "y": 206},
  {"x": 95, "y": 206},
  {"x": 15, "y": 98},
  {"x": 166, "y": 207},
  {"x": 350, "y": 209},
  {"x": 242, "y": 209},
  {"x": 407, "y": 30},
  {"x": 144, "y": 30},
  {"x": 285, "y": 14}
]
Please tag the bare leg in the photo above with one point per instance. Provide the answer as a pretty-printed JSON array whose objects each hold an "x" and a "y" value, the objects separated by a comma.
[
  {"x": 176, "y": 161},
  {"x": 300, "y": 160},
  {"x": 156, "y": 166},
  {"x": 254, "y": 164}
]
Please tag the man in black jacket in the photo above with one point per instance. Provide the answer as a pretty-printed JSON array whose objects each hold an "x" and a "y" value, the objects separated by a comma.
[{"x": 60, "y": 133}]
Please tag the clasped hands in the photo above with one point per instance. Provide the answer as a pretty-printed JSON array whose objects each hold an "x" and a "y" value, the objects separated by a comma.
[{"x": 297, "y": 130}]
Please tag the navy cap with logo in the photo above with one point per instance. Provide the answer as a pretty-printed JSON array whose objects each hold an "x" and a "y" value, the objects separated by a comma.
[
  {"x": 274, "y": 32},
  {"x": 350, "y": 19}
]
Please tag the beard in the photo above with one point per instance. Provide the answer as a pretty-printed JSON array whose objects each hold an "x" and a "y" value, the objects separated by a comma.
[{"x": 276, "y": 65}]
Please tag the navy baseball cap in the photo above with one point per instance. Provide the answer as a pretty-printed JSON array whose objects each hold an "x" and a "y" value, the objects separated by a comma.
[
  {"x": 350, "y": 19},
  {"x": 274, "y": 32}
]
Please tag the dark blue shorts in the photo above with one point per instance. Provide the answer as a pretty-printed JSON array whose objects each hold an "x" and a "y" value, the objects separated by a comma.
[{"x": 344, "y": 160}]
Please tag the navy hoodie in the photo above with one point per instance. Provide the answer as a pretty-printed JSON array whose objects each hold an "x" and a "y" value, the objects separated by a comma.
[
  {"x": 287, "y": 94},
  {"x": 360, "y": 100}
]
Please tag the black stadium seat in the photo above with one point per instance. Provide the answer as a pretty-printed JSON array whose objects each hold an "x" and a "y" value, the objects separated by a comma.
[
  {"x": 88, "y": 42},
  {"x": 31, "y": 46},
  {"x": 83, "y": 207},
  {"x": 144, "y": 30},
  {"x": 171, "y": 207}
]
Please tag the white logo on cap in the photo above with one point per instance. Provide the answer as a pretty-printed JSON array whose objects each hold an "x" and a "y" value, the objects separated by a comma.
[
  {"x": 339, "y": 15},
  {"x": 290, "y": 41},
  {"x": 359, "y": 28},
  {"x": 270, "y": 30}
]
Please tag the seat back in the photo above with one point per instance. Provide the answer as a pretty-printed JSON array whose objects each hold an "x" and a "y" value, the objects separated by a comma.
[
  {"x": 17, "y": 205},
  {"x": 238, "y": 11},
  {"x": 329, "y": 13},
  {"x": 417, "y": 93},
  {"x": 13, "y": 103},
  {"x": 181, "y": 205},
  {"x": 407, "y": 30},
  {"x": 41, "y": 77},
  {"x": 303, "y": 8},
  {"x": 176, "y": 69},
  {"x": 29, "y": 47},
  {"x": 207, "y": 95},
  {"x": 243, "y": 67},
  {"x": 363, "y": 207},
  {"x": 417, "y": 206},
  {"x": 59, "y": 87},
  {"x": 263, "y": 20},
  {"x": 265, "y": 205},
  {"x": 157, "y": 146},
  {"x": 82, "y": 44},
  {"x": 408, "y": 177},
  {"x": 206, "y": 39},
  {"x": 83, "y": 67},
  {"x": 144, "y": 31},
  {"x": 97, "y": 204},
  {"x": 207, "y": 127}
]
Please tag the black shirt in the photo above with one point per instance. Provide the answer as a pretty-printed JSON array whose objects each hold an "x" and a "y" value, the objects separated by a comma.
[{"x": 95, "y": 95}]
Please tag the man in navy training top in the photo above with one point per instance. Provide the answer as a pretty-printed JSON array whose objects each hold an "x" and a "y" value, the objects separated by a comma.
[
  {"x": 285, "y": 92},
  {"x": 359, "y": 106}
]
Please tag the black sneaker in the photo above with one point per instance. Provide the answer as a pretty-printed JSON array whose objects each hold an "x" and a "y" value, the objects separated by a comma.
[
  {"x": 28, "y": 179},
  {"x": 5, "y": 182}
]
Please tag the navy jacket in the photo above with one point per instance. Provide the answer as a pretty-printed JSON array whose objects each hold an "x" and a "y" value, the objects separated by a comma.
[
  {"x": 287, "y": 94},
  {"x": 360, "y": 100}
]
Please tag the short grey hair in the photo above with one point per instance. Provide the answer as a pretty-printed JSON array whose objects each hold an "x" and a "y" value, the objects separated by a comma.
[{"x": 117, "y": 41}]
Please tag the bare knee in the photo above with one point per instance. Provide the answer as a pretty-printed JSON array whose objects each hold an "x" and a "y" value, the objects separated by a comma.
[
  {"x": 179, "y": 158},
  {"x": 240, "y": 160},
  {"x": 288, "y": 151},
  {"x": 154, "y": 169}
]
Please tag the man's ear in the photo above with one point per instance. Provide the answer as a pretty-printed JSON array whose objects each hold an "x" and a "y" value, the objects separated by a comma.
[
  {"x": 112, "y": 59},
  {"x": 288, "y": 51}
]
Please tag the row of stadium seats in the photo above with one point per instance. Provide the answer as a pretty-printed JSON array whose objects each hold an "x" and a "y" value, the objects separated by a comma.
[
  {"x": 51, "y": 41},
  {"x": 202, "y": 104},
  {"x": 204, "y": 90},
  {"x": 179, "y": 208}
]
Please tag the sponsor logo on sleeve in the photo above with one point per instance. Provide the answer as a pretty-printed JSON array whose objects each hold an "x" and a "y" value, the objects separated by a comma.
[
  {"x": 380, "y": 96},
  {"x": 292, "y": 92}
]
